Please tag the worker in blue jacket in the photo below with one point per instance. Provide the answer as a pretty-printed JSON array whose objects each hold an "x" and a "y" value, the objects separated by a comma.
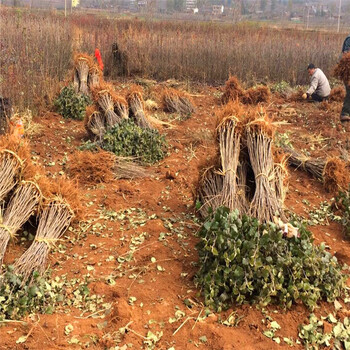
[{"x": 345, "y": 113}]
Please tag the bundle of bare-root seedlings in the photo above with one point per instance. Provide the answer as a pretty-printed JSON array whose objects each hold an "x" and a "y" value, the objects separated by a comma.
[
  {"x": 281, "y": 175},
  {"x": 114, "y": 107},
  {"x": 136, "y": 108},
  {"x": 21, "y": 207},
  {"x": 93, "y": 167},
  {"x": 257, "y": 95},
  {"x": 219, "y": 184},
  {"x": 95, "y": 77},
  {"x": 14, "y": 157},
  {"x": 95, "y": 123},
  {"x": 331, "y": 172},
  {"x": 342, "y": 69},
  {"x": 176, "y": 101},
  {"x": 337, "y": 94},
  {"x": 82, "y": 65},
  {"x": 229, "y": 134},
  {"x": 251, "y": 179},
  {"x": 10, "y": 167},
  {"x": 233, "y": 91},
  {"x": 210, "y": 190},
  {"x": 56, "y": 216},
  {"x": 265, "y": 205}
]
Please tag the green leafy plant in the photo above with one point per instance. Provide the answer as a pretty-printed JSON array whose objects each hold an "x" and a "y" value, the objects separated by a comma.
[
  {"x": 313, "y": 334},
  {"x": 129, "y": 140},
  {"x": 18, "y": 299},
  {"x": 71, "y": 104},
  {"x": 343, "y": 203},
  {"x": 280, "y": 87},
  {"x": 244, "y": 261},
  {"x": 282, "y": 140}
]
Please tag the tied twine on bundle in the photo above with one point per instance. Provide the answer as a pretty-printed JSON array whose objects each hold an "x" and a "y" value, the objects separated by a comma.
[{"x": 50, "y": 242}]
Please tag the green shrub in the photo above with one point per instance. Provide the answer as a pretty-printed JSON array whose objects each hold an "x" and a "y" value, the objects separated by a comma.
[
  {"x": 129, "y": 140},
  {"x": 71, "y": 104},
  {"x": 243, "y": 261},
  {"x": 280, "y": 87},
  {"x": 343, "y": 202},
  {"x": 17, "y": 300}
]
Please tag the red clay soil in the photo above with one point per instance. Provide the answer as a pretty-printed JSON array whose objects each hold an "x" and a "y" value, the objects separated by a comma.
[{"x": 146, "y": 292}]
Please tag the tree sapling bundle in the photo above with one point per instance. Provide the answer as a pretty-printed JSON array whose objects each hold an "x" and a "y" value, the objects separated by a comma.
[
  {"x": 82, "y": 64},
  {"x": 342, "y": 70},
  {"x": 9, "y": 169},
  {"x": 313, "y": 166},
  {"x": 337, "y": 94},
  {"x": 105, "y": 100},
  {"x": 136, "y": 107},
  {"x": 210, "y": 191},
  {"x": 53, "y": 222},
  {"x": 175, "y": 101},
  {"x": 264, "y": 205},
  {"x": 15, "y": 158},
  {"x": 92, "y": 167},
  {"x": 335, "y": 175},
  {"x": 120, "y": 106},
  {"x": 280, "y": 178},
  {"x": 256, "y": 95},
  {"x": 233, "y": 91},
  {"x": 114, "y": 107},
  {"x": 95, "y": 77},
  {"x": 55, "y": 218},
  {"x": 229, "y": 134},
  {"x": 331, "y": 172},
  {"x": 22, "y": 205},
  {"x": 242, "y": 173},
  {"x": 95, "y": 123}
]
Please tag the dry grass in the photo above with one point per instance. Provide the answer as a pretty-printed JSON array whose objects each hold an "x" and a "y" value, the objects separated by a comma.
[{"x": 203, "y": 51}]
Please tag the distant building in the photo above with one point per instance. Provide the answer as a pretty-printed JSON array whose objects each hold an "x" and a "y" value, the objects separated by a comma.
[
  {"x": 217, "y": 10},
  {"x": 190, "y": 5},
  {"x": 46, "y": 4}
]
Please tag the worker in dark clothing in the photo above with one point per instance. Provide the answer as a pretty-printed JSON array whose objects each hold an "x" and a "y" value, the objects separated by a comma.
[
  {"x": 345, "y": 113},
  {"x": 346, "y": 44}
]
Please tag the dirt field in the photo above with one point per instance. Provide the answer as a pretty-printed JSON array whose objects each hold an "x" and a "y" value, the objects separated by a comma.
[{"x": 135, "y": 250}]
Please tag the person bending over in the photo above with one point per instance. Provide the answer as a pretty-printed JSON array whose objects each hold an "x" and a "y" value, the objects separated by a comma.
[{"x": 319, "y": 89}]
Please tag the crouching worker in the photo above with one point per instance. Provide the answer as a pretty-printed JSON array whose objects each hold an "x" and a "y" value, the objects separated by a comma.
[{"x": 319, "y": 89}]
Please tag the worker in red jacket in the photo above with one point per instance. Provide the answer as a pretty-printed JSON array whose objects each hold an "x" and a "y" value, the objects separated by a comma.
[{"x": 99, "y": 58}]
